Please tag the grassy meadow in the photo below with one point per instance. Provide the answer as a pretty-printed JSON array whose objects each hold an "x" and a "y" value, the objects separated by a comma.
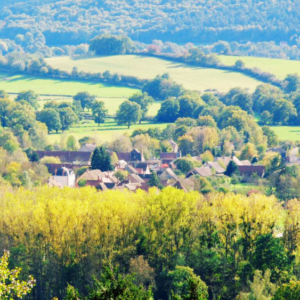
[
  {"x": 287, "y": 133},
  {"x": 19, "y": 83},
  {"x": 103, "y": 133},
  {"x": 192, "y": 78},
  {"x": 279, "y": 67}
]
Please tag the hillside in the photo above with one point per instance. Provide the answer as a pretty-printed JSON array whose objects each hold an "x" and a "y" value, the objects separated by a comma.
[
  {"x": 193, "y": 78},
  {"x": 279, "y": 67},
  {"x": 74, "y": 22}
]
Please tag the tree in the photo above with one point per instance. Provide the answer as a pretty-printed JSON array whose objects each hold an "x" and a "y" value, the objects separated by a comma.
[
  {"x": 184, "y": 165},
  {"x": 121, "y": 175},
  {"x": 239, "y": 64},
  {"x": 72, "y": 143},
  {"x": 85, "y": 99},
  {"x": 31, "y": 97},
  {"x": 231, "y": 169},
  {"x": 128, "y": 113},
  {"x": 169, "y": 111},
  {"x": 288, "y": 291},
  {"x": 51, "y": 118},
  {"x": 154, "y": 181},
  {"x": 265, "y": 117},
  {"x": 107, "y": 44},
  {"x": 185, "y": 285},
  {"x": 292, "y": 83},
  {"x": 248, "y": 152},
  {"x": 206, "y": 121},
  {"x": 144, "y": 100},
  {"x": 67, "y": 118},
  {"x": 99, "y": 112},
  {"x": 10, "y": 286},
  {"x": 270, "y": 254},
  {"x": 101, "y": 160},
  {"x": 271, "y": 135}
]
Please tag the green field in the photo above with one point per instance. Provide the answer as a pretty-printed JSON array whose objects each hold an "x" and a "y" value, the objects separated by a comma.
[
  {"x": 192, "y": 78},
  {"x": 287, "y": 133},
  {"x": 18, "y": 83},
  {"x": 59, "y": 90},
  {"x": 105, "y": 132},
  {"x": 279, "y": 67}
]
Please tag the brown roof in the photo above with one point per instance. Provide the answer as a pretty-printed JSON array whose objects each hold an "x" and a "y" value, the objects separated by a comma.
[
  {"x": 67, "y": 156},
  {"x": 91, "y": 175},
  {"x": 250, "y": 170},
  {"x": 203, "y": 171},
  {"x": 167, "y": 155},
  {"x": 216, "y": 166}
]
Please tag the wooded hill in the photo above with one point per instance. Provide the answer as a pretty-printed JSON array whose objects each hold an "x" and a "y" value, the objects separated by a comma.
[{"x": 181, "y": 21}]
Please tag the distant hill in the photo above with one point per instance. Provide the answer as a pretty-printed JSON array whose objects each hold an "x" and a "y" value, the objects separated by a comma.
[{"x": 180, "y": 21}]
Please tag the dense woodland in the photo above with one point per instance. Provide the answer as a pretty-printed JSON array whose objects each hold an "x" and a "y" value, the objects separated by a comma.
[{"x": 75, "y": 22}]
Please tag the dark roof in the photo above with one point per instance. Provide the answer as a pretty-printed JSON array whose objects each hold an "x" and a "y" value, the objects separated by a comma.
[
  {"x": 52, "y": 168},
  {"x": 250, "y": 170},
  {"x": 67, "y": 156},
  {"x": 143, "y": 166},
  {"x": 63, "y": 171},
  {"x": 124, "y": 156}
]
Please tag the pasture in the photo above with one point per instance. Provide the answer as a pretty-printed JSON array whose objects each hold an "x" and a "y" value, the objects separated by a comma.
[
  {"x": 192, "y": 78},
  {"x": 287, "y": 133},
  {"x": 279, "y": 67},
  {"x": 19, "y": 83},
  {"x": 103, "y": 133},
  {"x": 63, "y": 90}
]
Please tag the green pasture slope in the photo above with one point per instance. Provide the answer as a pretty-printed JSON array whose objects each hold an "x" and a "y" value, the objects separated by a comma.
[
  {"x": 192, "y": 78},
  {"x": 279, "y": 67},
  {"x": 287, "y": 133},
  {"x": 63, "y": 90},
  {"x": 105, "y": 132}
]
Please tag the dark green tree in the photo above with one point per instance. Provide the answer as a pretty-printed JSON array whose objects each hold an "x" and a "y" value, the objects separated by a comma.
[
  {"x": 154, "y": 181},
  {"x": 67, "y": 118},
  {"x": 101, "y": 160},
  {"x": 128, "y": 113},
  {"x": 292, "y": 83},
  {"x": 144, "y": 100},
  {"x": 288, "y": 291},
  {"x": 99, "y": 112},
  {"x": 85, "y": 99},
  {"x": 107, "y": 44},
  {"x": 169, "y": 111},
  {"x": 270, "y": 254},
  {"x": 231, "y": 169},
  {"x": 184, "y": 165},
  {"x": 29, "y": 96},
  {"x": 50, "y": 117}
]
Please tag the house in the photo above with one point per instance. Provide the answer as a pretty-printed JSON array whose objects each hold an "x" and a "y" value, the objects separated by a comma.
[
  {"x": 143, "y": 168},
  {"x": 168, "y": 174},
  {"x": 250, "y": 170},
  {"x": 121, "y": 164},
  {"x": 167, "y": 158},
  {"x": 130, "y": 169},
  {"x": 186, "y": 185},
  {"x": 98, "y": 179},
  {"x": 131, "y": 157},
  {"x": 174, "y": 146},
  {"x": 203, "y": 172},
  {"x": 215, "y": 166},
  {"x": 72, "y": 157},
  {"x": 88, "y": 148},
  {"x": 64, "y": 177},
  {"x": 53, "y": 183}
]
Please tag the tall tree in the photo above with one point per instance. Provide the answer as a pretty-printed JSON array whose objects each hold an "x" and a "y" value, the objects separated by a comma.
[
  {"x": 128, "y": 113},
  {"x": 101, "y": 160},
  {"x": 29, "y": 96},
  {"x": 85, "y": 99},
  {"x": 144, "y": 100},
  {"x": 99, "y": 112},
  {"x": 51, "y": 118}
]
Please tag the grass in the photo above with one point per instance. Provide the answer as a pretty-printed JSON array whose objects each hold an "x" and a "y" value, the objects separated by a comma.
[
  {"x": 279, "y": 67},
  {"x": 287, "y": 133},
  {"x": 59, "y": 90},
  {"x": 105, "y": 132},
  {"x": 19, "y": 83},
  {"x": 244, "y": 188},
  {"x": 192, "y": 78}
]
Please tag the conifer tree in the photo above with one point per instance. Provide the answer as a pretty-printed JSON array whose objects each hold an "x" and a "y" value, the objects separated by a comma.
[{"x": 101, "y": 160}]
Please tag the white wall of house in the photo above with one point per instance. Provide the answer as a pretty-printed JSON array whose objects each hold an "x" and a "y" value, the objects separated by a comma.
[{"x": 68, "y": 181}]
